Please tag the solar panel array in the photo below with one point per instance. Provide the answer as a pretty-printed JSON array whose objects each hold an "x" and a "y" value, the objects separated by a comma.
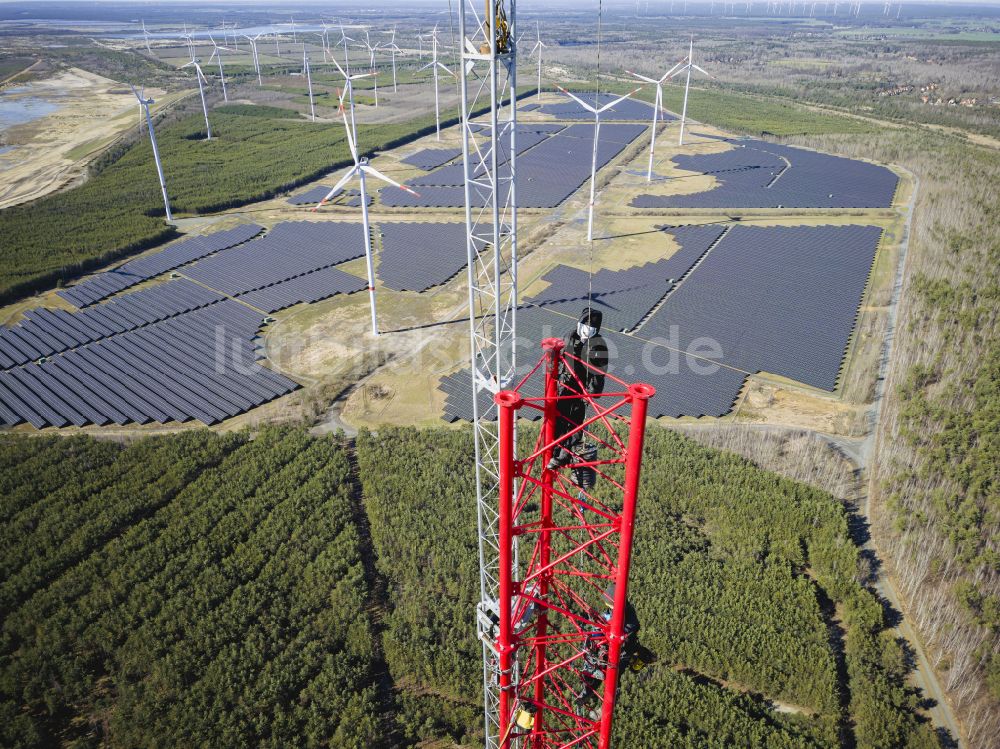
[
  {"x": 312, "y": 287},
  {"x": 45, "y": 332},
  {"x": 431, "y": 158},
  {"x": 757, "y": 174},
  {"x": 777, "y": 299},
  {"x": 290, "y": 249},
  {"x": 682, "y": 389},
  {"x": 630, "y": 109},
  {"x": 625, "y": 296},
  {"x": 103, "y": 285},
  {"x": 316, "y": 194},
  {"x": 200, "y": 365},
  {"x": 417, "y": 256},
  {"x": 548, "y": 172}
]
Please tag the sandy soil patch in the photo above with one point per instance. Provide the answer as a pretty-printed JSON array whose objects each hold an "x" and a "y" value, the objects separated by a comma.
[{"x": 54, "y": 150}]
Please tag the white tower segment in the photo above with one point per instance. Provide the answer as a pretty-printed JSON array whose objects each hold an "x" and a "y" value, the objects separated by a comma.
[{"x": 489, "y": 80}]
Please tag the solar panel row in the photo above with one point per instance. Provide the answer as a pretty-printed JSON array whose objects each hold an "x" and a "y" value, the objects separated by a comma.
[
  {"x": 200, "y": 365},
  {"x": 44, "y": 332},
  {"x": 416, "y": 256},
  {"x": 776, "y": 299},
  {"x": 172, "y": 256},
  {"x": 290, "y": 249},
  {"x": 312, "y": 287},
  {"x": 431, "y": 158},
  {"x": 757, "y": 174}
]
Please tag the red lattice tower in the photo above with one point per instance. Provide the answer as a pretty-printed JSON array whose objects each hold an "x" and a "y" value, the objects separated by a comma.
[{"x": 558, "y": 630}]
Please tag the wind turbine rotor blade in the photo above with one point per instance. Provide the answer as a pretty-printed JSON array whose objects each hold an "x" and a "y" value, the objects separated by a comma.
[
  {"x": 578, "y": 100},
  {"x": 377, "y": 174},
  {"x": 618, "y": 100},
  {"x": 337, "y": 187},
  {"x": 445, "y": 69},
  {"x": 641, "y": 77},
  {"x": 704, "y": 72}
]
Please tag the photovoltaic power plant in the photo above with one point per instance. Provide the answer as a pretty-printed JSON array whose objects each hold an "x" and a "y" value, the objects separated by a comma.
[
  {"x": 417, "y": 256},
  {"x": 312, "y": 287},
  {"x": 549, "y": 171},
  {"x": 630, "y": 109},
  {"x": 199, "y": 365},
  {"x": 782, "y": 300},
  {"x": 316, "y": 194},
  {"x": 45, "y": 332},
  {"x": 626, "y": 296},
  {"x": 432, "y": 158},
  {"x": 757, "y": 174},
  {"x": 290, "y": 249},
  {"x": 103, "y": 285}
]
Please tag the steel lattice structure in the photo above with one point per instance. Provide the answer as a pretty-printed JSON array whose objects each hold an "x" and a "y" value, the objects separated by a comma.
[
  {"x": 558, "y": 629},
  {"x": 488, "y": 76}
]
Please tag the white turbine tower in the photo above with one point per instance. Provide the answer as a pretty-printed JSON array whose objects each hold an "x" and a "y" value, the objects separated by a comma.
[
  {"x": 344, "y": 39},
  {"x": 434, "y": 64},
  {"x": 144, "y": 103},
  {"x": 217, "y": 53},
  {"x": 687, "y": 64},
  {"x": 597, "y": 131},
  {"x": 200, "y": 77},
  {"x": 253, "y": 54},
  {"x": 539, "y": 46},
  {"x": 657, "y": 108},
  {"x": 393, "y": 49},
  {"x": 360, "y": 169},
  {"x": 371, "y": 62},
  {"x": 309, "y": 81}
]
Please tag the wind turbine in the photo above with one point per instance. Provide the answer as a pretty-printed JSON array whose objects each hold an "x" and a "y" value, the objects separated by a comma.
[
  {"x": 144, "y": 103},
  {"x": 360, "y": 169},
  {"x": 657, "y": 108},
  {"x": 597, "y": 130},
  {"x": 688, "y": 65},
  {"x": 539, "y": 45},
  {"x": 434, "y": 64},
  {"x": 371, "y": 62},
  {"x": 145, "y": 35},
  {"x": 344, "y": 39},
  {"x": 393, "y": 49},
  {"x": 253, "y": 52},
  {"x": 295, "y": 39},
  {"x": 309, "y": 81},
  {"x": 217, "y": 53},
  {"x": 200, "y": 76}
]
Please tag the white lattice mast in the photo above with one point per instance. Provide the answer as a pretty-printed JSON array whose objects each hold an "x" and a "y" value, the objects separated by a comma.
[{"x": 488, "y": 80}]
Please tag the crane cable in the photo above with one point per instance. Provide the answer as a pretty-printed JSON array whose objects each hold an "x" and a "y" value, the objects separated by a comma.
[{"x": 597, "y": 105}]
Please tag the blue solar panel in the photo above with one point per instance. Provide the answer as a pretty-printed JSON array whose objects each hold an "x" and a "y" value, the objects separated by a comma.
[
  {"x": 290, "y": 249},
  {"x": 312, "y": 287},
  {"x": 196, "y": 365},
  {"x": 417, "y": 256},
  {"x": 757, "y": 174},
  {"x": 172, "y": 256},
  {"x": 431, "y": 158},
  {"x": 550, "y": 169}
]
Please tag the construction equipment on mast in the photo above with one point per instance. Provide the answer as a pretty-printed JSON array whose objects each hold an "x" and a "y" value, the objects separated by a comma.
[{"x": 554, "y": 622}]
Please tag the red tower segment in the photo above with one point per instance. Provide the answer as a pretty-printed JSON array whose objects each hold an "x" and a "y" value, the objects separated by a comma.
[{"x": 565, "y": 549}]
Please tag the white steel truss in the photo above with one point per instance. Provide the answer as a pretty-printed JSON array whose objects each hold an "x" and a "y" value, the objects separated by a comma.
[{"x": 488, "y": 83}]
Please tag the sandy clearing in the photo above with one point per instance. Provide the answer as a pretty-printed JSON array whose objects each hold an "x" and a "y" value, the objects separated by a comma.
[{"x": 54, "y": 150}]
